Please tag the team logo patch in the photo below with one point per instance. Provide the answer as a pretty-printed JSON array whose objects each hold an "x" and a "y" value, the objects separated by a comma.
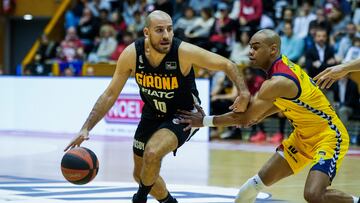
[{"x": 170, "y": 65}]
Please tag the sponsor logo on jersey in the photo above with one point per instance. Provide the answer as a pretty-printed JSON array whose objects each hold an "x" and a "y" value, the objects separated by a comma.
[
  {"x": 159, "y": 94},
  {"x": 161, "y": 82}
]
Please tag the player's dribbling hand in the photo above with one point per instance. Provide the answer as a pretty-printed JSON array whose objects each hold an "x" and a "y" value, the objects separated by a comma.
[
  {"x": 193, "y": 119},
  {"x": 241, "y": 103},
  {"x": 327, "y": 77},
  {"x": 76, "y": 142}
]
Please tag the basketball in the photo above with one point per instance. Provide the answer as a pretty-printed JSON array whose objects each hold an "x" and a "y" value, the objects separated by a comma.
[{"x": 79, "y": 165}]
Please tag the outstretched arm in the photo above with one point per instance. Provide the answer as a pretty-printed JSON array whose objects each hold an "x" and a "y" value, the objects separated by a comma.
[
  {"x": 260, "y": 107},
  {"x": 192, "y": 55},
  {"x": 124, "y": 67},
  {"x": 125, "y": 64},
  {"x": 327, "y": 77}
]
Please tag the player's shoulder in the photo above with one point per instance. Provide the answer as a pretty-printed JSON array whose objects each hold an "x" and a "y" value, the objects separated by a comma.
[
  {"x": 187, "y": 48},
  {"x": 128, "y": 56},
  {"x": 129, "y": 52},
  {"x": 131, "y": 48},
  {"x": 280, "y": 81},
  {"x": 277, "y": 86}
]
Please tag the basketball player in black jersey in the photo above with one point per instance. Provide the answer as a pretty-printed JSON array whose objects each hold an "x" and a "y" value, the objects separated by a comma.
[{"x": 163, "y": 68}]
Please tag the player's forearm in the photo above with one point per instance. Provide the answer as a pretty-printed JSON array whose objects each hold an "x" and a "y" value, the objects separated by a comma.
[
  {"x": 351, "y": 66},
  {"x": 101, "y": 107},
  {"x": 230, "y": 119},
  {"x": 236, "y": 76}
]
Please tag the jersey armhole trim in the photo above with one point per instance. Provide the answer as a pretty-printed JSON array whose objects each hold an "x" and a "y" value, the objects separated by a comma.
[{"x": 296, "y": 81}]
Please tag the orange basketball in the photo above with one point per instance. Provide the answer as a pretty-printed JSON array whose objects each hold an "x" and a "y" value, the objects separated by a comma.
[{"x": 79, "y": 165}]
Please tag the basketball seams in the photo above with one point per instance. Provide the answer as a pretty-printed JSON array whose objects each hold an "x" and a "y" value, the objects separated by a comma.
[
  {"x": 83, "y": 154},
  {"x": 93, "y": 157},
  {"x": 70, "y": 159}
]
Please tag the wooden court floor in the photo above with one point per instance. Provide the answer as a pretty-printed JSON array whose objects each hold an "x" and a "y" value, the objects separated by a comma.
[{"x": 223, "y": 164}]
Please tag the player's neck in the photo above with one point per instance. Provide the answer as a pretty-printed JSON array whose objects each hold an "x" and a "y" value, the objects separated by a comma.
[
  {"x": 153, "y": 56},
  {"x": 270, "y": 63}
]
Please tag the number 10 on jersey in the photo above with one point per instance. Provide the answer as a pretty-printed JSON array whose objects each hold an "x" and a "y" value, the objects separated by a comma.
[{"x": 161, "y": 106}]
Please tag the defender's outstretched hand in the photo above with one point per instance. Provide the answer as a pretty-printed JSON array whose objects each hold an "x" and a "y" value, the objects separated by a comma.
[
  {"x": 193, "y": 119},
  {"x": 241, "y": 102},
  {"x": 328, "y": 76},
  {"x": 76, "y": 142}
]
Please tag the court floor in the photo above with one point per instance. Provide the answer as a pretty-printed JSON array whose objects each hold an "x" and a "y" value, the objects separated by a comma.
[{"x": 200, "y": 172}]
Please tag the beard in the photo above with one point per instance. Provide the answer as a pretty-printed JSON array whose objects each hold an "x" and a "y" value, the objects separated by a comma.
[{"x": 160, "y": 49}]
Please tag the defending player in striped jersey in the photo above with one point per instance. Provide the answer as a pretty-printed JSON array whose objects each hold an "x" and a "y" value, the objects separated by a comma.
[{"x": 319, "y": 137}]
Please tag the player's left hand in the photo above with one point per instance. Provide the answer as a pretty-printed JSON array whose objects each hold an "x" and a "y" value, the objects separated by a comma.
[
  {"x": 193, "y": 119},
  {"x": 328, "y": 76},
  {"x": 241, "y": 102}
]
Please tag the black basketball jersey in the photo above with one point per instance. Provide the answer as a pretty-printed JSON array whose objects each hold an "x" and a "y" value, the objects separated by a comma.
[{"x": 164, "y": 89}]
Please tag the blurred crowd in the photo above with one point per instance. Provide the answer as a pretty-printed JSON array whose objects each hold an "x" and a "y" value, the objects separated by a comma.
[{"x": 315, "y": 34}]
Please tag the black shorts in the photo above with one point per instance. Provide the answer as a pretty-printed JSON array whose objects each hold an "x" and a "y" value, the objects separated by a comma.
[{"x": 147, "y": 127}]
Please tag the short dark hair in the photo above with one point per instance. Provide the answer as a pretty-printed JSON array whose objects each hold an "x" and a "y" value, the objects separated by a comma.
[{"x": 289, "y": 22}]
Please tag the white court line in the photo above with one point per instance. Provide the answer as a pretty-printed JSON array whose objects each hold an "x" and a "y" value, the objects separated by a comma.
[{"x": 109, "y": 192}]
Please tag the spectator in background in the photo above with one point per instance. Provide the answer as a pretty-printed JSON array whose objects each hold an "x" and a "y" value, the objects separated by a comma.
[
  {"x": 96, "y": 6},
  {"x": 346, "y": 41},
  {"x": 164, "y": 5},
  {"x": 72, "y": 17},
  {"x": 129, "y": 8},
  {"x": 269, "y": 8},
  {"x": 309, "y": 39},
  {"x": 38, "y": 67},
  {"x": 338, "y": 21},
  {"x": 266, "y": 22},
  {"x": 107, "y": 45},
  {"x": 356, "y": 17},
  {"x": 118, "y": 22},
  {"x": 354, "y": 51},
  {"x": 125, "y": 40},
  {"x": 180, "y": 7},
  {"x": 198, "y": 33},
  {"x": 221, "y": 32},
  {"x": 287, "y": 16},
  {"x": 199, "y": 5},
  {"x": 90, "y": 71},
  {"x": 250, "y": 14},
  {"x": 254, "y": 83},
  {"x": 87, "y": 29},
  {"x": 291, "y": 46},
  {"x": 302, "y": 21},
  {"x": 278, "y": 7},
  {"x": 222, "y": 96},
  {"x": 240, "y": 48},
  {"x": 68, "y": 72},
  {"x": 104, "y": 17},
  {"x": 47, "y": 49},
  {"x": 183, "y": 22},
  {"x": 321, "y": 56},
  {"x": 138, "y": 25},
  {"x": 346, "y": 97},
  {"x": 71, "y": 52},
  {"x": 320, "y": 21},
  {"x": 71, "y": 48}
]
